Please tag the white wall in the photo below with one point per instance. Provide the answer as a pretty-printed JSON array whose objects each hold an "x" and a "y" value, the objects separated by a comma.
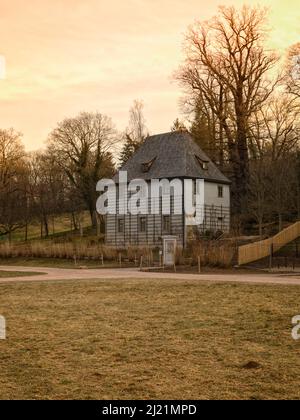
[{"x": 211, "y": 195}]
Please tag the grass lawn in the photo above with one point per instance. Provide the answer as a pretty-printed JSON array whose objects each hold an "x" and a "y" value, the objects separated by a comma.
[
  {"x": 57, "y": 226},
  {"x": 7, "y": 274},
  {"x": 132, "y": 339}
]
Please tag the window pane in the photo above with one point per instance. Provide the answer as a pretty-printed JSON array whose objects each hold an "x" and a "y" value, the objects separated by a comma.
[
  {"x": 121, "y": 225},
  {"x": 143, "y": 224}
]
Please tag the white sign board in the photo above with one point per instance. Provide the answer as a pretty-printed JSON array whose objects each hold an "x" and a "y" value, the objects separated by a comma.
[{"x": 170, "y": 244}]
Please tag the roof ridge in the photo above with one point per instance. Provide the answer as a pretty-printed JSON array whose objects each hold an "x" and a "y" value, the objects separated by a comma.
[
  {"x": 167, "y": 133},
  {"x": 175, "y": 153}
]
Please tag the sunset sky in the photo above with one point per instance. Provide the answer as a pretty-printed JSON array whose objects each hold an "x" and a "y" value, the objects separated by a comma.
[{"x": 66, "y": 56}]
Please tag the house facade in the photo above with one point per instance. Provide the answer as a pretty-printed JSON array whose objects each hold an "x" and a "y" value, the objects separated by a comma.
[{"x": 170, "y": 156}]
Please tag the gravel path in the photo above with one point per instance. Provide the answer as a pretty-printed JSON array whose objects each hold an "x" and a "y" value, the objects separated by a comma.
[{"x": 115, "y": 274}]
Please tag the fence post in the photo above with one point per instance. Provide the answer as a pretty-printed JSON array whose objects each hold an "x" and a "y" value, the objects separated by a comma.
[
  {"x": 141, "y": 264},
  {"x": 199, "y": 264}
]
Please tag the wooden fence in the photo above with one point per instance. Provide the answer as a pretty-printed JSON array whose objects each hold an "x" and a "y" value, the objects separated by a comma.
[{"x": 262, "y": 249}]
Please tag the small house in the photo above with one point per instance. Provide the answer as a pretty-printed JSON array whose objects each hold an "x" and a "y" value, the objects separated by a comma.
[{"x": 171, "y": 156}]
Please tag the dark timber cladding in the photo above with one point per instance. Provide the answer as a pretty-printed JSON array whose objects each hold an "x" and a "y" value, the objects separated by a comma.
[{"x": 171, "y": 155}]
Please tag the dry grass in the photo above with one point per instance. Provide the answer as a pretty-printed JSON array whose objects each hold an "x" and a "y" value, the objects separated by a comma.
[
  {"x": 69, "y": 250},
  {"x": 49, "y": 249},
  {"x": 148, "y": 339},
  {"x": 7, "y": 274},
  {"x": 213, "y": 253}
]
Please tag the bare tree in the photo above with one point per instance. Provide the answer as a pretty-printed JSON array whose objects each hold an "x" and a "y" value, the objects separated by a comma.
[
  {"x": 11, "y": 152},
  {"x": 13, "y": 180},
  {"x": 281, "y": 190},
  {"x": 226, "y": 58},
  {"x": 47, "y": 189},
  {"x": 275, "y": 128},
  {"x": 136, "y": 132},
  {"x": 137, "y": 129},
  {"x": 259, "y": 197},
  {"x": 83, "y": 147},
  {"x": 292, "y": 78}
]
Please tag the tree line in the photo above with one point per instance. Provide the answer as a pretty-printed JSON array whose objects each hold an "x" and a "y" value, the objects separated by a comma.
[
  {"x": 62, "y": 179},
  {"x": 241, "y": 104},
  {"x": 242, "y": 101}
]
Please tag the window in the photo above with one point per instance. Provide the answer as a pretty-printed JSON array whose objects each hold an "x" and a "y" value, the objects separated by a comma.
[
  {"x": 220, "y": 192},
  {"x": 203, "y": 163},
  {"x": 121, "y": 225},
  {"x": 166, "y": 224},
  {"x": 146, "y": 166},
  {"x": 143, "y": 225}
]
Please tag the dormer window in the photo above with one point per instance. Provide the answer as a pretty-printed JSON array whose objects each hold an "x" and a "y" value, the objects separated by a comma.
[
  {"x": 203, "y": 163},
  {"x": 146, "y": 166}
]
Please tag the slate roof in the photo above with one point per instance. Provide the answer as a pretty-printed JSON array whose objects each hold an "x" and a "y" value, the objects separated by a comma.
[{"x": 171, "y": 155}]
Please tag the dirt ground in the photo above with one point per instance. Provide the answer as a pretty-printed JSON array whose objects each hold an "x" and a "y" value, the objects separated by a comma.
[{"x": 131, "y": 273}]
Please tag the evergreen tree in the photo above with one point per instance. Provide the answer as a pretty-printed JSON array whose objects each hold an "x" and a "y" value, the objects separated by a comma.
[
  {"x": 178, "y": 126},
  {"x": 129, "y": 148}
]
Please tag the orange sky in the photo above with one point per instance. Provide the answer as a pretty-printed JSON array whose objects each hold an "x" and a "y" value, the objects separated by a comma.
[{"x": 65, "y": 56}]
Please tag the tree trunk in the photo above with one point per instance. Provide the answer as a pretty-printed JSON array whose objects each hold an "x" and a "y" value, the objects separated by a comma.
[
  {"x": 221, "y": 134},
  {"x": 221, "y": 148},
  {"x": 243, "y": 164},
  {"x": 93, "y": 217},
  {"x": 46, "y": 225},
  {"x": 98, "y": 224},
  {"x": 26, "y": 231},
  {"x": 279, "y": 222},
  {"x": 74, "y": 221},
  {"x": 260, "y": 227},
  {"x": 80, "y": 225}
]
